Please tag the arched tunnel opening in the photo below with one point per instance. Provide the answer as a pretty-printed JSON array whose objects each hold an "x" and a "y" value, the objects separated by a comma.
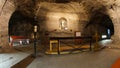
[
  {"x": 21, "y": 27},
  {"x": 101, "y": 24}
]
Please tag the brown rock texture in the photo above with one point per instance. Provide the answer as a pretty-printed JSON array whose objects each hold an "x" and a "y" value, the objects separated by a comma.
[{"x": 81, "y": 10}]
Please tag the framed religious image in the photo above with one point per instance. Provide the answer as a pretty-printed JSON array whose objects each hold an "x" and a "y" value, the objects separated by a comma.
[{"x": 77, "y": 33}]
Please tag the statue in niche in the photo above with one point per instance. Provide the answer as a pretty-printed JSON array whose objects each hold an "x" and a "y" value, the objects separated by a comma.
[{"x": 63, "y": 23}]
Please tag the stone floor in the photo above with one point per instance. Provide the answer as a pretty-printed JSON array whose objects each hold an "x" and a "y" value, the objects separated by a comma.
[
  {"x": 94, "y": 59},
  {"x": 101, "y": 59},
  {"x": 9, "y": 59}
]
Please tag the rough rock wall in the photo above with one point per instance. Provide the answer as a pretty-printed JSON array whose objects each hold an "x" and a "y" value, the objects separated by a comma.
[
  {"x": 114, "y": 12},
  {"x": 73, "y": 12},
  {"x": 5, "y": 14},
  {"x": 113, "y": 9}
]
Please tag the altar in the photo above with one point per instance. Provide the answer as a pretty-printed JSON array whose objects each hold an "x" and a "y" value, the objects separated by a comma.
[{"x": 75, "y": 47}]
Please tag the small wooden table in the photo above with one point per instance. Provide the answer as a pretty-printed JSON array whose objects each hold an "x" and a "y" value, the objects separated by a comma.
[{"x": 63, "y": 38}]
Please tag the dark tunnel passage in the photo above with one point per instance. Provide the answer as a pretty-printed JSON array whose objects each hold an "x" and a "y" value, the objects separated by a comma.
[
  {"x": 20, "y": 25},
  {"x": 101, "y": 24}
]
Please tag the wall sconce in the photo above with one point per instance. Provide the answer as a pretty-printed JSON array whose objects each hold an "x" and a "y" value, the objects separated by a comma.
[
  {"x": 63, "y": 23},
  {"x": 35, "y": 28}
]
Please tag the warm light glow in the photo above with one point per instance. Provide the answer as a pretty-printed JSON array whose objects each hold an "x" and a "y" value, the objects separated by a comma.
[
  {"x": 66, "y": 28},
  {"x": 28, "y": 41},
  {"x": 63, "y": 23},
  {"x": 53, "y": 22},
  {"x": 35, "y": 28},
  {"x": 20, "y": 42}
]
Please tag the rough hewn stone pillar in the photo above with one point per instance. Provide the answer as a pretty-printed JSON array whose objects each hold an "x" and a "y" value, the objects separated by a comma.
[{"x": 5, "y": 15}]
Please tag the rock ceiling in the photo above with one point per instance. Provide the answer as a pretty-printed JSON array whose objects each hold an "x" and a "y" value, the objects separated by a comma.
[{"x": 32, "y": 7}]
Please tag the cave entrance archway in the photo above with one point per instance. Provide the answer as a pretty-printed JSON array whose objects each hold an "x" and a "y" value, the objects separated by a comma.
[
  {"x": 20, "y": 24},
  {"x": 102, "y": 24},
  {"x": 20, "y": 28}
]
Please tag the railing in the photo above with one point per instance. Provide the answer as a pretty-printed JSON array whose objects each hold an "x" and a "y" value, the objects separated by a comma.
[{"x": 65, "y": 38}]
